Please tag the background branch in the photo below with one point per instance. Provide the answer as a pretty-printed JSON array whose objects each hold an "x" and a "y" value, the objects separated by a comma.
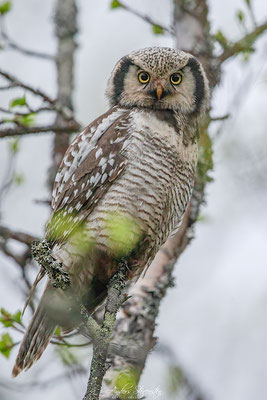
[
  {"x": 65, "y": 129},
  {"x": 146, "y": 18},
  {"x": 32, "y": 53},
  {"x": 66, "y": 29},
  {"x": 243, "y": 44}
]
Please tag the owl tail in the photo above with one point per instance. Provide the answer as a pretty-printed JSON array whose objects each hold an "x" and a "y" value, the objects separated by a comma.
[{"x": 35, "y": 340}]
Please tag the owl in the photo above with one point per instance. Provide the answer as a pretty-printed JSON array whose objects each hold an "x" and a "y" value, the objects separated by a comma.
[{"x": 123, "y": 185}]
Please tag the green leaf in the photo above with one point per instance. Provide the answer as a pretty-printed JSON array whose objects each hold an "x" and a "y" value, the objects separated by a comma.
[
  {"x": 248, "y": 3},
  {"x": 240, "y": 15},
  {"x": 8, "y": 319},
  {"x": 27, "y": 120},
  {"x": 115, "y": 4},
  {"x": 126, "y": 383},
  {"x": 219, "y": 36},
  {"x": 5, "y": 7},
  {"x": 14, "y": 145},
  {"x": 18, "y": 179},
  {"x": 175, "y": 380},
  {"x": 19, "y": 101},
  {"x": 17, "y": 317},
  {"x": 157, "y": 29},
  {"x": 58, "y": 331},
  {"x": 6, "y": 344},
  {"x": 67, "y": 356},
  {"x": 123, "y": 233}
]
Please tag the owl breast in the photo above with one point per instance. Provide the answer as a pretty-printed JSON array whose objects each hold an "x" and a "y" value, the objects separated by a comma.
[
  {"x": 149, "y": 197},
  {"x": 156, "y": 185}
]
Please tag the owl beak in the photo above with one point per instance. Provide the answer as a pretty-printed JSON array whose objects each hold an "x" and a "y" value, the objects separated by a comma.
[{"x": 159, "y": 91}]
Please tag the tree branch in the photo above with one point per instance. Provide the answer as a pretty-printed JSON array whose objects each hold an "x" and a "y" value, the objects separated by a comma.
[
  {"x": 59, "y": 278},
  {"x": 146, "y": 18},
  {"x": 15, "y": 81},
  {"x": 6, "y": 233},
  {"x": 67, "y": 128},
  {"x": 66, "y": 29},
  {"x": 243, "y": 44},
  {"x": 56, "y": 104},
  {"x": 134, "y": 330},
  {"x": 33, "y": 53},
  {"x": 102, "y": 341}
]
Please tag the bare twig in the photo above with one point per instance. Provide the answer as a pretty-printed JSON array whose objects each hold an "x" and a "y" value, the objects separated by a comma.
[
  {"x": 56, "y": 104},
  {"x": 68, "y": 127},
  {"x": 37, "y": 92},
  {"x": 33, "y": 53},
  {"x": 221, "y": 118},
  {"x": 22, "y": 237},
  {"x": 24, "y": 114},
  {"x": 8, "y": 87},
  {"x": 243, "y": 44},
  {"x": 147, "y": 18}
]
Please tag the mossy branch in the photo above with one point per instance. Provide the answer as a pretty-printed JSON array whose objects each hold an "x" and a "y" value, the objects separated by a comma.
[
  {"x": 41, "y": 252},
  {"x": 244, "y": 44},
  {"x": 101, "y": 345},
  {"x": 101, "y": 335}
]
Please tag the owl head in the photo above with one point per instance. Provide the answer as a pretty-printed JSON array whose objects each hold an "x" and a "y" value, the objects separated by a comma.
[{"x": 159, "y": 78}]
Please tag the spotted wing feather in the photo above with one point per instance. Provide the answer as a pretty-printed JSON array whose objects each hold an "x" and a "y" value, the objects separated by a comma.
[{"x": 92, "y": 162}]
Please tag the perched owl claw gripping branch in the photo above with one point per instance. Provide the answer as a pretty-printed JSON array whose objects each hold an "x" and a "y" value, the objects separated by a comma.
[{"x": 123, "y": 185}]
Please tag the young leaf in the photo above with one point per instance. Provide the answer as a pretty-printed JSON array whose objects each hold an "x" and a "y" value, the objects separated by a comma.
[
  {"x": 27, "y": 120},
  {"x": 6, "y": 344},
  {"x": 240, "y": 15},
  {"x": 219, "y": 36},
  {"x": 248, "y": 3},
  {"x": 157, "y": 29},
  {"x": 5, "y": 7},
  {"x": 18, "y": 179},
  {"x": 8, "y": 319},
  {"x": 14, "y": 145},
  {"x": 57, "y": 331},
  {"x": 19, "y": 101},
  {"x": 115, "y": 4},
  {"x": 17, "y": 317}
]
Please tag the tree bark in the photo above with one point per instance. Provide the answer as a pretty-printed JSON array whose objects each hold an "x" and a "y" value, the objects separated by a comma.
[
  {"x": 133, "y": 336},
  {"x": 66, "y": 29}
]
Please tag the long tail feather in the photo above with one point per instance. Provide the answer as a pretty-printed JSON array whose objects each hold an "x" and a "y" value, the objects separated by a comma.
[{"x": 35, "y": 340}]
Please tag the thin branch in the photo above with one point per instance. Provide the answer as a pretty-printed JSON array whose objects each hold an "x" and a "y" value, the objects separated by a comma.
[
  {"x": 22, "y": 237},
  {"x": 24, "y": 114},
  {"x": 243, "y": 44},
  {"x": 37, "y": 92},
  {"x": 146, "y": 18},
  {"x": 33, "y": 53},
  {"x": 68, "y": 128},
  {"x": 221, "y": 118},
  {"x": 251, "y": 13},
  {"x": 8, "y": 87},
  {"x": 58, "y": 107}
]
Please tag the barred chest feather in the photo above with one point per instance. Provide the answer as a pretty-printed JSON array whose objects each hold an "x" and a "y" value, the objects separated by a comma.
[{"x": 155, "y": 185}]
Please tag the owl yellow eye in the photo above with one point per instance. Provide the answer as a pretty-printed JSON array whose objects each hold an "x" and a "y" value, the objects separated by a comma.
[
  {"x": 143, "y": 77},
  {"x": 176, "y": 78}
]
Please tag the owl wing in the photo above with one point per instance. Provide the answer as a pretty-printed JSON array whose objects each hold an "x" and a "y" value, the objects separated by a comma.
[{"x": 93, "y": 160}]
